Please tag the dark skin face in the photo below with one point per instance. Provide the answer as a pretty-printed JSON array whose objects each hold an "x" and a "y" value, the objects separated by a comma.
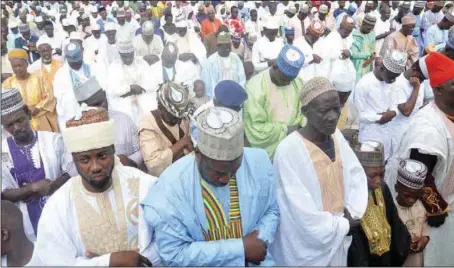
[
  {"x": 49, "y": 29},
  {"x": 147, "y": 38},
  {"x": 272, "y": 6},
  {"x": 449, "y": 52},
  {"x": 99, "y": 99},
  {"x": 343, "y": 97},
  {"x": 323, "y": 112},
  {"x": 445, "y": 24},
  {"x": 26, "y": 35},
  {"x": 45, "y": 50},
  {"x": 321, "y": 16},
  {"x": 39, "y": 25},
  {"x": 385, "y": 14},
  {"x": 387, "y": 76},
  {"x": 217, "y": 173},
  {"x": 15, "y": 30},
  {"x": 302, "y": 15},
  {"x": 224, "y": 49},
  {"x": 96, "y": 34},
  {"x": 254, "y": 15},
  {"x": 366, "y": 28},
  {"x": 127, "y": 58},
  {"x": 417, "y": 10},
  {"x": 182, "y": 31},
  {"x": 121, "y": 20},
  {"x": 111, "y": 36},
  {"x": 278, "y": 78},
  {"x": 211, "y": 15},
  {"x": 407, "y": 197},
  {"x": 19, "y": 67},
  {"x": 199, "y": 88},
  {"x": 95, "y": 167},
  {"x": 234, "y": 13},
  {"x": 75, "y": 65},
  {"x": 346, "y": 29},
  {"x": 168, "y": 117},
  {"x": 271, "y": 34},
  {"x": 369, "y": 8},
  {"x": 17, "y": 124},
  {"x": 311, "y": 37},
  {"x": 436, "y": 9},
  {"x": 168, "y": 19},
  {"x": 444, "y": 97},
  {"x": 341, "y": 4},
  {"x": 407, "y": 29},
  {"x": 375, "y": 176},
  {"x": 290, "y": 38}
]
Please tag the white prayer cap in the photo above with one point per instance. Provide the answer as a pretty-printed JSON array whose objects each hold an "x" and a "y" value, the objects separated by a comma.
[
  {"x": 85, "y": 16},
  {"x": 370, "y": 153},
  {"x": 65, "y": 22},
  {"x": 181, "y": 24},
  {"x": 51, "y": 13},
  {"x": 450, "y": 15},
  {"x": 121, "y": 13},
  {"x": 395, "y": 61},
  {"x": 304, "y": 8},
  {"x": 221, "y": 134},
  {"x": 148, "y": 28},
  {"x": 94, "y": 9},
  {"x": 75, "y": 36},
  {"x": 95, "y": 27},
  {"x": 137, "y": 16},
  {"x": 42, "y": 41},
  {"x": 125, "y": 46},
  {"x": 271, "y": 24},
  {"x": 291, "y": 9},
  {"x": 110, "y": 26},
  {"x": 412, "y": 173},
  {"x": 39, "y": 19},
  {"x": 13, "y": 23},
  {"x": 126, "y": 4}
]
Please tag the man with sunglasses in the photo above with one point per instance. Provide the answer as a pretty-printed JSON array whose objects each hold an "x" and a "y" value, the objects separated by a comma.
[
  {"x": 272, "y": 110},
  {"x": 217, "y": 207}
]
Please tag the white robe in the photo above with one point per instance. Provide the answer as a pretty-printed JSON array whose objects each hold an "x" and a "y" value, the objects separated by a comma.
[
  {"x": 334, "y": 44},
  {"x": 67, "y": 105},
  {"x": 121, "y": 77},
  {"x": 372, "y": 97},
  {"x": 56, "y": 161},
  {"x": 93, "y": 45},
  {"x": 154, "y": 48},
  {"x": 263, "y": 49},
  {"x": 320, "y": 48},
  {"x": 381, "y": 27},
  {"x": 60, "y": 241},
  {"x": 307, "y": 235},
  {"x": 428, "y": 133}
]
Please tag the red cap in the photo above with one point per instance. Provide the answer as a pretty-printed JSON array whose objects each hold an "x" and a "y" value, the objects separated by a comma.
[{"x": 440, "y": 69}]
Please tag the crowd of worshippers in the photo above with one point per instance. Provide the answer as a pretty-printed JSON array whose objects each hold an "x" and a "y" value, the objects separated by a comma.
[{"x": 227, "y": 133}]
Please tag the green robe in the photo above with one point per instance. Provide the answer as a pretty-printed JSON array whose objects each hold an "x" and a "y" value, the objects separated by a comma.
[
  {"x": 363, "y": 46},
  {"x": 263, "y": 129}
]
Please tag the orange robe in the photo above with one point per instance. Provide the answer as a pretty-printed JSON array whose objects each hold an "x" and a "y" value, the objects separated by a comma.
[{"x": 208, "y": 27}]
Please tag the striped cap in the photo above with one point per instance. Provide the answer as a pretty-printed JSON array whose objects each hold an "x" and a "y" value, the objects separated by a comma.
[
  {"x": 11, "y": 101},
  {"x": 412, "y": 173}
]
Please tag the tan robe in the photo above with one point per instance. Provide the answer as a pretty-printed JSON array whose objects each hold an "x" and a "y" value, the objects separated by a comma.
[
  {"x": 35, "y": 94},
  {"x": 155, "y": 146},
  {"x": 398, "y": 41}
]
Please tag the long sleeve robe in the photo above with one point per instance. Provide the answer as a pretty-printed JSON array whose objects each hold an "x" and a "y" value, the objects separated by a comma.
[
  {"x": 175, "y": 209},
  {"x": 308, "y": 235},
  {"x": 398, "y": 41},
  {"x": 74, "y": 218},
  {"x": 264, "y": 50},
  {"x": 362, "y": 48}
]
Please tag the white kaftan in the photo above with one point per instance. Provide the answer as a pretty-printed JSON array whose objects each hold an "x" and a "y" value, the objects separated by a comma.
[
  {"x": 308, "y": 235},
  {"x": 372, "y": 97},
  {"x": 431, "y": 132},
  {"x": 75, "y": 220},
  {"x": 51, "y": 150},
  {"x": 92, "y": 46},
  {"x": 320, "y": 48},
  {"x": 381, "y": 27},
  {"x": 154, "y": 48},
  {"x": 263, "y": 50},
  {"x": 121, "y": 77}
]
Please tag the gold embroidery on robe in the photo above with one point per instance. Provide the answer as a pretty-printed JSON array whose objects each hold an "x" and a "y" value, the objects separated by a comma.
[
  {"x": 375, "y": 224},
  {"x": 330, "y": 176},
  {"x": 100, "y": 232}
]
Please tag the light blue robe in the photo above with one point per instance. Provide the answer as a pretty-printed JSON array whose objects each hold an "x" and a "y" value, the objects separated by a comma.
[
  {"x": 174, "y": 207},
  {"x": 437, "y": 37},
  {"x": 212, "y": 73},
  {"x": 417, "y": 34}
]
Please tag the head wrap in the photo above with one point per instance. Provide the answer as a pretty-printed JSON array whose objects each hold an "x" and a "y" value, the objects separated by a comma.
[
  {"x": 17, "y": 53},
  {"x": 271, "y": 24},
  {"x": 94, "y": 9},
  {"x": 85, "y": 16},
  {"x": 95, "y": 27},
  {"x": 148, "y": 28},
  {"x": 181, "y": 24},
  {"x": 316, "y": 28},
  {"x": 230, "y": 93},
  {"x": 24, "y": 28},
  {"x": 39, "y": 19},
  {"x": 370, "y": 154},
  {"x": 42, "y": 41},
  {"x": 73, "y": 52},
  {"x": 65, "y": 22},
  {"x": 174, "y": 98},
  {"x": 236, "y": 37},
  {"x": 170, "y": 51},
  {"x": 290, "y": 60},
  {"x": 224, "y": 38},
  {"x": 75, "y": 36},
  {"x": 420, "y": 4},
  {"x": 304, "y": 8},
  {"x": 314, "y": 88},
  {"x": 440, "y": 69},
  {"x": 12, "y": 23},
  {"x": 11, "y": 101},
  {"x": 289, "y": 31},
  {"x": 395, "y": 61},
  {"x": 450, "y": 15},
  {"x": 221, "y": 134},
  {"x": 369, "y": 19},
  {"x": 291, "y": 9},
  {"x": 121, "y": 13},
  {"x": 125, "y": 46},
  {"x": 110, "y": 26},
  {"x": 409, "y": 19},
  {"x": 92, "y": 130},
  {"x": 323, "y": 9},
  {"x": 450, "y": 42},
  {"x": 412, "y": 173},
  {"x": 252, "y": 38}
]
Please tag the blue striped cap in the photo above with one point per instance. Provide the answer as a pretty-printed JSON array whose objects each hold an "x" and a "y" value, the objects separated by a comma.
[
  {"x": 73, "y": 52},
  {"x": 290, "y": 60}
]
